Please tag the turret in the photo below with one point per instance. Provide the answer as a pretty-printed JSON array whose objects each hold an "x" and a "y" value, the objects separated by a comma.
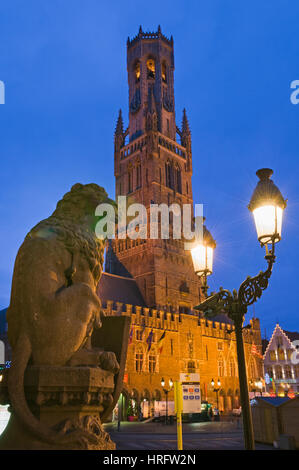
[
  {"x": 118, "y": 142},
  {"x": 186, "y": 139}
]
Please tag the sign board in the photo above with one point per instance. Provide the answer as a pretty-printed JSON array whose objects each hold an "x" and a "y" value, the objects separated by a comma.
[
  {"x": 191, "y": 393},
  {"x": 160, "y": 408}
]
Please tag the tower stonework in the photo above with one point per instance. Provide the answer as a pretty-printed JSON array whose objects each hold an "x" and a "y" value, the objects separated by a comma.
[{"x": 152, "y": 167}]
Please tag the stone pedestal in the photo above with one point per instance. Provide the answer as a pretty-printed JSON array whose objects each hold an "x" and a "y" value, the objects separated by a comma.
[{"x": 66, "y": 399}]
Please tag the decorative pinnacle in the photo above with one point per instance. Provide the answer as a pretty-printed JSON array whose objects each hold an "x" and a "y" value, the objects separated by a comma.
[
  {"x": 159, "y": 30},
  {"x": 185, "y": 123},
  {"x": 119, "y": 130},
  {"x": 140, "y": 29}
]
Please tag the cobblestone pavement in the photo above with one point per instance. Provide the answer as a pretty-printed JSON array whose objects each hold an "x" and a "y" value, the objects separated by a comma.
[{"x": 196, "y": 436}]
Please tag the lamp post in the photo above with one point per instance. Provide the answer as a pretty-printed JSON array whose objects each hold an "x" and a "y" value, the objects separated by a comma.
[
  {"x": 266, "y": 205},
  {"x": 202, "y": 256},
  {"x": 216, "y": 390},
  {"x": 166, "y": 391}
]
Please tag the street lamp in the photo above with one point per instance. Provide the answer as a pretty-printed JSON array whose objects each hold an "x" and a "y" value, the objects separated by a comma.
[
  {"x": 202, "y": 256},
  {"x": 216, "y": 389},
  {"x": 166, "y": 391},
  {"x": 267, "y": 205}
]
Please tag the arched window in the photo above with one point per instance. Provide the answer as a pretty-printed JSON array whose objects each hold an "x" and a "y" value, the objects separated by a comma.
[
  {"x": 139, "y": 360},
  {"x": 168, "y": 175},
  {"x": 152, "y": 362},
  {"x": 151, "y": 67},
  {"x": 164, "y": 72},
  {"x": 138, "y": 176},
  {"x": 232, "y": 368},
  {"x": 137, "y": 72},
  {"x": 220, "y": 367},
  {"x": 130, "y": 179},
  {"x": 178, "y": 179}
]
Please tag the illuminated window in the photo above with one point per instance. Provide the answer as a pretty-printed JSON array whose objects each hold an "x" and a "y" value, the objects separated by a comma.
[
  {"x": 164, "y": 72},
  {"x": 151, "y": 68},
  {"x": 272, "y": 355},
  {"x": 137, "y": 71},
  {"x": 281, "y": 356}
]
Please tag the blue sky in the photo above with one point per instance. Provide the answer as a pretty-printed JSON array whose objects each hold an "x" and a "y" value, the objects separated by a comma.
[{"x": 64, "y": 68}]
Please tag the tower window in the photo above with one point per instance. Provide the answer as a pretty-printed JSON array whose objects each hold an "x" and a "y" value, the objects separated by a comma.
[
  {"x": 138, "y": 175},
  {"x": 151, "y": 68},
  {"x": 178, "y": 179},
  {"x": 168, "y": 175},
  {"x": 130, "y": 180},
  {"x": 137, "y": 72},
  {"x": 164, "y": 72}
]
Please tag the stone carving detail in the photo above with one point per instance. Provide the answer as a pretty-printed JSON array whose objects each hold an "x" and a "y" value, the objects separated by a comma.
[
  {"x": 167, "y": 102},
  {"x": 90, "y": 425},
  {"x": 136, "y": 102}
]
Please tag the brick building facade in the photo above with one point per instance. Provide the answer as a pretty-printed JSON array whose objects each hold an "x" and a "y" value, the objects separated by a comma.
[{"x": 153, "y": 281}]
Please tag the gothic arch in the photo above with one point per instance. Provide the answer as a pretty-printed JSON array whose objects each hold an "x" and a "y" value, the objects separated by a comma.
[
  {"x": 178, "y": 178},
  {"x": 164, "y": 71},
  {"x": 137, "y": 70},
  {"x": 151, "y": 67}
]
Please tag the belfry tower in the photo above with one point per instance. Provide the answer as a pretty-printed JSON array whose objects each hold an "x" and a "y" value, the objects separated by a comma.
[{"x": 152, "y": 167}]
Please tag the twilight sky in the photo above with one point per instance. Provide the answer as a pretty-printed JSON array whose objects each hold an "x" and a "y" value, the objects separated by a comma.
[{"x": 64, "y": 68}]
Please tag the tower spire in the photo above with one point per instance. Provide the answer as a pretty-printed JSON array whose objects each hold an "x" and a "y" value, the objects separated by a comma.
[
  {"x": 185, "y": 124},
  {"x": 119, "y": 130}
]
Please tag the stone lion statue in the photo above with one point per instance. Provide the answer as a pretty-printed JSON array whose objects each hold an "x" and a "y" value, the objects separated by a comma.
[{"x": 54, "y": 306}]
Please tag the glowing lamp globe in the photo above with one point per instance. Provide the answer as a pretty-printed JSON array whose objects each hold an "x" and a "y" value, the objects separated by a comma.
[
  {"x": 267, "y": 205},
  {"x": 202, "y": 254}
]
